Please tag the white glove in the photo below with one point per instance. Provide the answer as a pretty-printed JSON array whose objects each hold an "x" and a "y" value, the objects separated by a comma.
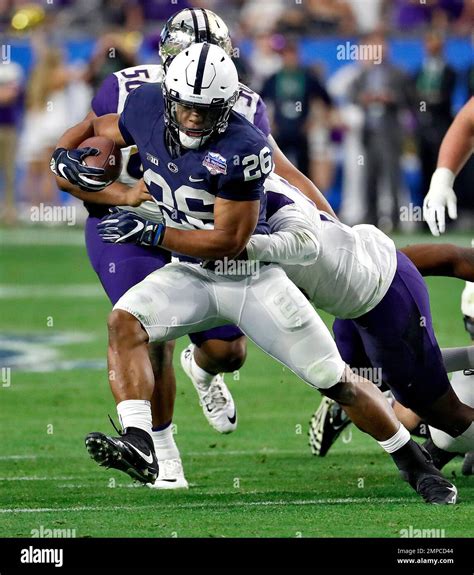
[{"x": 440, "y": 196}]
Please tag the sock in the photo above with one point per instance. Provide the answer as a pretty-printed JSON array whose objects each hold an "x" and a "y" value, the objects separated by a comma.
[
  {"x": 412, "y": 461},
  {"x": 135, "y": 413},
  {"x": 460, "y": 444},
  {"x": 401, "y": 438},
  {"x": 163, "y": 440},
  {"x": 439, "y": 456},
  {"x": 202, "y": 376}
]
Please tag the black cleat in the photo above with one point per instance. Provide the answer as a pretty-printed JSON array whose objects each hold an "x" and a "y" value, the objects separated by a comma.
[
  {"x": 436, "y": 490},
  {"x": 133, "y": 453},
  {"x": 418, "y": 470},
  {"x": 439, "y": 457},
  {"x": 468, "y": 464},
  {"x": 327, "y": 423}
]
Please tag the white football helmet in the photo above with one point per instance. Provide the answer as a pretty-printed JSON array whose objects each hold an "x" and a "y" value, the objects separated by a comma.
[
  {"x": 202, "y": 77},
  {"x": 190, "y": 26}
]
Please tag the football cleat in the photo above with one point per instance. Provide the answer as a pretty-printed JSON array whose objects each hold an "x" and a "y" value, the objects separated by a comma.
[
  {"x": 436, "y": 490},
  {"x": 440, "y": 457},
  {"x": 216, "y": 401},
  {"x": 428, "y": 481},
  {"x": 133, "y": 453},
  {"x": 171, "y": 475},
  {"x": 327, "y": 423},
  {"x": 468, "y": 464}
]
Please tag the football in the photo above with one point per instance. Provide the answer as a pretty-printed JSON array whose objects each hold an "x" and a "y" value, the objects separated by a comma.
[{"x": 110, "y": 157}]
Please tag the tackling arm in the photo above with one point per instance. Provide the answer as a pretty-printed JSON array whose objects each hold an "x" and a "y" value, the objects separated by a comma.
[
  {"x": 293, "y": 242},
  {"x": 234, "y": 222},
  {"x": 442, "y": 260}
]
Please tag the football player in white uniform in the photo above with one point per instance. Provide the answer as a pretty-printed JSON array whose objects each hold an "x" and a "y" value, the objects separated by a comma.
[{"x": 381, "y": 300}]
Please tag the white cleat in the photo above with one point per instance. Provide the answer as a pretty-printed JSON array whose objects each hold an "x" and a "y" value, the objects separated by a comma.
[
  {"x": 170, "y": 476},
  {"x": 216, "y": 401}
]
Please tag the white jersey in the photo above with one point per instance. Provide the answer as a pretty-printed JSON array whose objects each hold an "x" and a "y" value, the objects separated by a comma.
[
  {"x": 121, "y": 83},
  {"x": 344, "y": 270}
]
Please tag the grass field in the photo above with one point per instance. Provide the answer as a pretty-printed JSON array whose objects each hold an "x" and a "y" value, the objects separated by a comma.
[{"x": 258, "y": 482}]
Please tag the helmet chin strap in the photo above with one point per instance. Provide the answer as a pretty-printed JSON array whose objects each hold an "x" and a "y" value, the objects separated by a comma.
[{"x": 191, "y": 143}]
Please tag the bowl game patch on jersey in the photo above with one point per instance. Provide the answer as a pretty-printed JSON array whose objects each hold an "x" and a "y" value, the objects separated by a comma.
[{"x": 215, "y": 163}]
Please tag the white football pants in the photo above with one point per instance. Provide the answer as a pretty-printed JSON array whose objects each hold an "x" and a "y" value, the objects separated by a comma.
[{"x": 183, "y": 298}]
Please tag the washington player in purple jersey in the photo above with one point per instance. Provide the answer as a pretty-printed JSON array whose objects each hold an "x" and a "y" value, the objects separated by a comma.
[
  {"x": 119, "y": 267},
  {"x": 189, "y": 134}
]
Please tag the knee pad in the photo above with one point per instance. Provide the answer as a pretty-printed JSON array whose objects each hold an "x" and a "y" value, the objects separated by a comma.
[{"x": 324, "y": 374}]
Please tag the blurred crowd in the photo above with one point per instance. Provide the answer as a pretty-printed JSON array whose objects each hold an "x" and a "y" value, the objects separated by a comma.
[
  {"x": 367, "y": 134},
  {"x": 303, "y": 17}
]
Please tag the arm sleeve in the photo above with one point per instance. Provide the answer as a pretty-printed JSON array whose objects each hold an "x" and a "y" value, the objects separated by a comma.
[
  {"x": 126, "y": 119},
  {"x": 106, "y": 98},
  {"x": 261, "y": 118},
  {"x": 142, "y": 109},
  {"x": 128, "y": 138},
  {"x": 457, "y": 358},
  {"x": 245, "y": 175},
  {"x": 294, "y": 242},
  {"x": 240, "y": 191}
]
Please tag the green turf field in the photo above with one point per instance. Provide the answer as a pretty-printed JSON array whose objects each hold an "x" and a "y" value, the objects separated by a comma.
[{"x": 258, "y": 482}]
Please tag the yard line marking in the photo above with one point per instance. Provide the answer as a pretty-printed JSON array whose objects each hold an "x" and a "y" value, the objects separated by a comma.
[
  {"x": 210, "y": 453},
  {"x": 207, "y": 505},
  {"x": 262, "y": 451},
  {"x": 34, "y": 478},
  {"x": 50, "y": 291},
  {"x": 8, "y": 457},
  {"x": 42, "y": 237}
]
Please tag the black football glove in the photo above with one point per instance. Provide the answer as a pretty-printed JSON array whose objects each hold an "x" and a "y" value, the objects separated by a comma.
[
  {"x": 68, "y": 164},
  {"x": 121, "y": 226}
]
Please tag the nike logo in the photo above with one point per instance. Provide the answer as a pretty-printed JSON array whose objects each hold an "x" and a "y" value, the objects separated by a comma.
[
  {"x": 61, "y": 170},
  {"x": 147, "y": 458},
  {"x": 136, "y": 229},
  {"x": 233, "y": 418},
  {"x": 191, "y": 179}
]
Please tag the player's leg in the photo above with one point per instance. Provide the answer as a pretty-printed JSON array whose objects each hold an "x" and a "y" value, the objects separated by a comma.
[
  {"x": 119, "y": 267},
  {"x": 399, "y": 339},
  {"x": 279, "y": 319},
  {"x": 329, "y": 420},
  {"x": 442, "y": 260},
  {"x": 211, "y": 354},
  {"x": 463, "y": 386},
  {"x": 169, "y": 303}
]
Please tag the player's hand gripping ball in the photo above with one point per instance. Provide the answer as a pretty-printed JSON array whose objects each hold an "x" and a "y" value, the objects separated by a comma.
[{"x": 92, "y": 167}]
